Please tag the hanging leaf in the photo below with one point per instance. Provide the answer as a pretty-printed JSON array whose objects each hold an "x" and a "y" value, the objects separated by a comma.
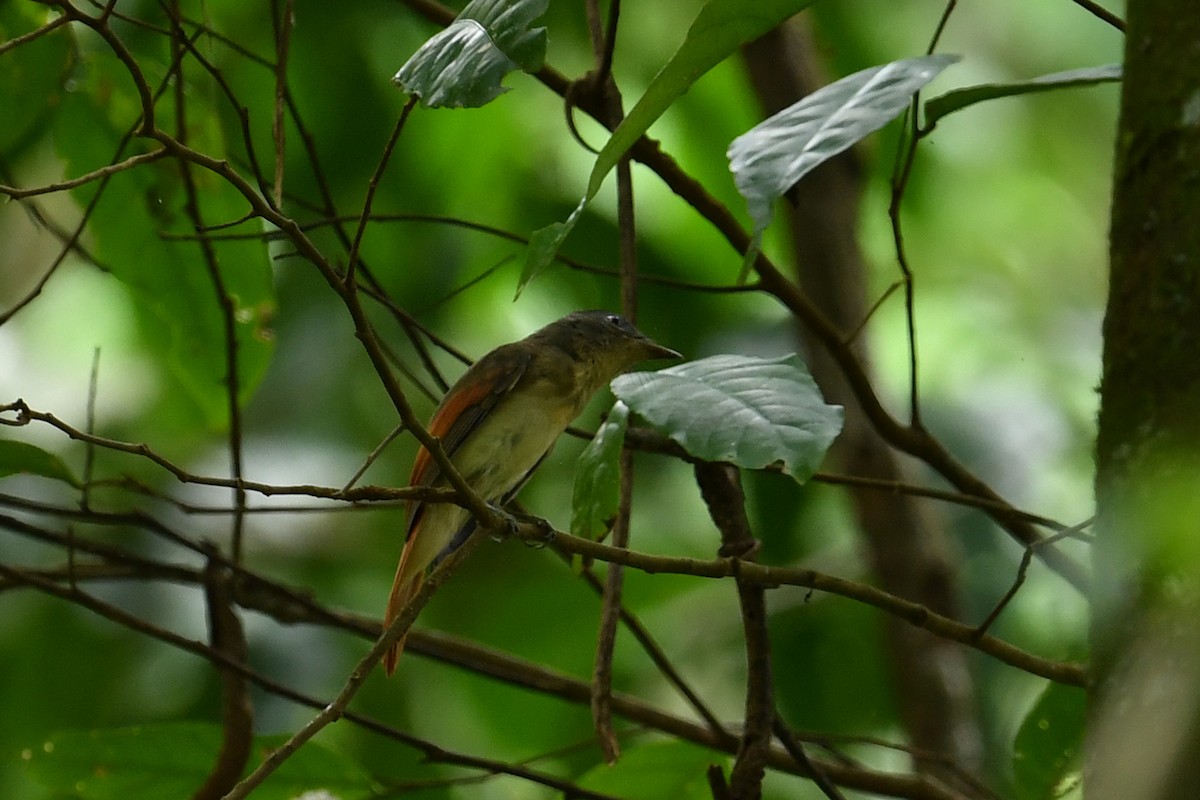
[
  {"x": 959, "y": 99},
  {"x": 720, "y": 28},
  {"x": 1048, "y": 746},
  {"x": 771, "y": 157},
  {"x": 464, "y": 64},
  {"x": 597, "y": 485},
  {"x": 751, "y": 412},
  {"x": 21, "y": 457},
  {"x": 544, "y": 245}
]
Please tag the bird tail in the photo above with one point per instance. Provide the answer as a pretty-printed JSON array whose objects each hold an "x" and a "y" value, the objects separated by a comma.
[{"x": 404, "y": 588}]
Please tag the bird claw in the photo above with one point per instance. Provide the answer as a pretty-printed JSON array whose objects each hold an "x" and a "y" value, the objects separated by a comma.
[
  {"x": 545, "y": 533},
  {"x": 509, "y": 523}
]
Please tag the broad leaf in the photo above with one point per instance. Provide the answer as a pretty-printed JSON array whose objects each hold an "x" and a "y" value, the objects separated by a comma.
[
  {"x": 958, "y": 99},
  {"x": 751, "y": 412},
  {"x": 596, "y": 494},
  {"x": 21, "y": 457},
  {"x": 463, "y": 65},
  {"x": 1049, "y": 744},
  {"x": 772, "y": 156},
  {"x": 173, "y": 759},
  {"x": 720, "y": 28}
]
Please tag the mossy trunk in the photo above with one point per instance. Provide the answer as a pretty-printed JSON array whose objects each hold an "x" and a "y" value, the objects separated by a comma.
[{"x": 1144, "y": 736}]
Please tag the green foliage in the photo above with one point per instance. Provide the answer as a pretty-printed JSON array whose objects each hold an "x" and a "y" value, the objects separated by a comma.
[
  {"x": 172, "y": 760},
  {"x": 463, "y": 65},
  {"x": 772, "y": 156},
  {"x": 654, "y": 770},
  {"x": 21, "y": 457},
  {"x": 750, "y": 412},
  {"x": 31, "y": 83},
  {"x": 171, "y": 280},
  {"x": 597, "y": 477},
  {"x": 720, "y": 28},
  {"x": 1048, "y": 748},
  {"x": 1001, "y": 219}
]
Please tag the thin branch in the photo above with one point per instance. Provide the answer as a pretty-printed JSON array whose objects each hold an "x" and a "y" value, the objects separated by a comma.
[
  {"x": 283, "y": 24},
  {"x": 36, "y": 33},
  {"x": 649, "y": 441},
  {"x": 337, "y": 707},
  {"x": 1022, "y": 570},
  {"x": 225, "y": 302},
  {"x": 771, "y": 577},
  {"x": 17, "y": 193},
  {"x": 25, "y": 415},
  {"x": 957, "y": 498},
  {"x": 372, "y": 186},
  {"x": 720, "y": 485},
  {"x": 601, "y": 83},
  {"x": 118, "y": 48},
  {"x": 792, "y": 744},
  {"x": 1100, "y": 12},
  {"x": 441, "y": 219},
  {"x": 656, "y": 654},
  {"x": 237, "y": 712},
  {"x": 366, "y": 465}
]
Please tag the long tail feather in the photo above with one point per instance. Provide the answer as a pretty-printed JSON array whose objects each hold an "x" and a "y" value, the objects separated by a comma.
[{"x": 403, "y": 590}]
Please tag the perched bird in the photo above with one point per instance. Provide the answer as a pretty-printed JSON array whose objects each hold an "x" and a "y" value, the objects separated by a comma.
[{"x": 500, "y": 420}]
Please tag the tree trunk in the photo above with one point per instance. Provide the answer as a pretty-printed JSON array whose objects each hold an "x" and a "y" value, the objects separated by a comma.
[{"x": 1144, "y": 738}]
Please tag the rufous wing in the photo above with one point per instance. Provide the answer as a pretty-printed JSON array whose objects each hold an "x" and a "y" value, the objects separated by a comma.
[{"x": 460, "y": 413}]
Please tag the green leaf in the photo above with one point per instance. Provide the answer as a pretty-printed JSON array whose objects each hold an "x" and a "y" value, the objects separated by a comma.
[
  {"x": 720, "y": 28},
  {"x": 543, "y": 247},
  {"x": 596, "y": 494},
  {"x": 1047, "y": 748},
  {"x": 31, "y": 82},
  {"x": 463, "y": 65},
  {"x": 751, "y": 412},
  {"x": 20, "y": 457},
  {"x": 169, "y": 279},
  {"x": 656, "y": 770},
  {"x": 771, "y": 157},
  {"x": 958, "y": 99},
  {"x": 173, "y": 759}
]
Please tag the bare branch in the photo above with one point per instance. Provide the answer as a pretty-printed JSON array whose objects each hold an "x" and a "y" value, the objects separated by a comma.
[
  {"x": 95, "y": 175},
  {"x": 237, "y": 712}
]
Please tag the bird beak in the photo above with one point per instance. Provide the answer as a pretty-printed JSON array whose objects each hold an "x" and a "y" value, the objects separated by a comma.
[{"x": 656, "y": 350}]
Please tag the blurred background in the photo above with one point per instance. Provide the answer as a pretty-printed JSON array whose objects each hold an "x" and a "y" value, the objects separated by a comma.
[{"x": 1004, "y": 222}]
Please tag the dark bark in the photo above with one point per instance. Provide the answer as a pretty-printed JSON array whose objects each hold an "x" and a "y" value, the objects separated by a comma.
[
  {"x": 1144, "y": 740},
  {"x": 907, "y": 548}
]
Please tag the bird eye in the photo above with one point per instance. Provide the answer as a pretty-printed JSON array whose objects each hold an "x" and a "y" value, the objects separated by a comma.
[{"x": 619, "y": 322}]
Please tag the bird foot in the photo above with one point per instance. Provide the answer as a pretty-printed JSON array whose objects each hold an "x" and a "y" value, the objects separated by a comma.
[
  {"x": 508, "y": 524},
  {"x": 545, "y": 532}
]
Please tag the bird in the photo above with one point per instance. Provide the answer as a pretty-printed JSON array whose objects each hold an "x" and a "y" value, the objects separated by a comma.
[{"x": 499, "y": 421}]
